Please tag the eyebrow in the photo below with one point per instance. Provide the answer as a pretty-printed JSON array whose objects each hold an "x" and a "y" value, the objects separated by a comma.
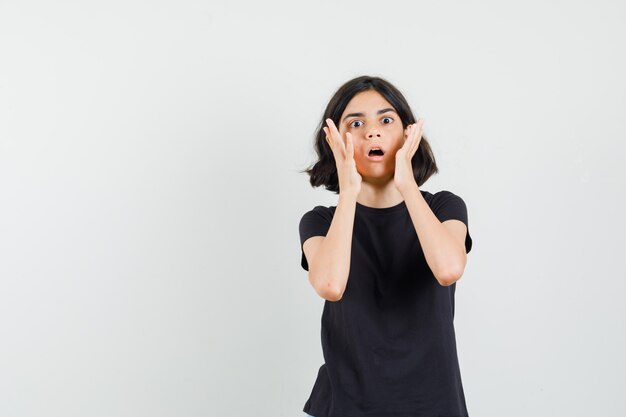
[{"x": 388, "y": 109}]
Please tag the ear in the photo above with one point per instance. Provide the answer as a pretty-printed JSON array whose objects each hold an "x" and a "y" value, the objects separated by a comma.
[{"x": 406, "y": 129}]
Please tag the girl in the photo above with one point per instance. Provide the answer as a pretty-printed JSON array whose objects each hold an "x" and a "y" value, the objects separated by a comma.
[{"x": 386, "y": 260}]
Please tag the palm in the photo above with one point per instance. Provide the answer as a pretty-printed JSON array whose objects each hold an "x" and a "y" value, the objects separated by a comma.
[
  {"x": 348, "y": 176},
  {"x": 404, "y": 168}
]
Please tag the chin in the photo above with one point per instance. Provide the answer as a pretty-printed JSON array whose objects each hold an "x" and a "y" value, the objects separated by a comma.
[{"x": 377, "y": 178}]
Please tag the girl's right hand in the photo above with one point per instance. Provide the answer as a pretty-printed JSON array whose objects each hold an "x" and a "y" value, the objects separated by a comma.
[{"x": 347, "y": 174}]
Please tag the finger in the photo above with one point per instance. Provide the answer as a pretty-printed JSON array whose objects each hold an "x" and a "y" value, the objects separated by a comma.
[
  {"x": 420, "y": 128},
  {"x": 328, "y": 140},
  {"x": 418, "y": 136},
  {"x": 329, "y": 136},
  {"x": 325, "y": 129},
  {"x": 410, "y": 141},
  {"x": 334, "y": 131},
  {"x": 409, "y": 137},
  {"x": 332, "y": 142},
  {"x": 349, "y": 145},
  {"x": 336, "y": 137}
]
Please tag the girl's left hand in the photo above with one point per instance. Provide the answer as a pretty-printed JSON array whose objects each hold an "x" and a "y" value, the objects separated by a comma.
[{"x": 403, "y": 176}]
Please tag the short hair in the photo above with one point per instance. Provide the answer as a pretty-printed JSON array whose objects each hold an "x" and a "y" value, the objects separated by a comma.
[{"x": 324, "y": 171}]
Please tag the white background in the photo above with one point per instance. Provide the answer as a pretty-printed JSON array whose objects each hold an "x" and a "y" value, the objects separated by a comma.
[{"x": 150, "y": 196}]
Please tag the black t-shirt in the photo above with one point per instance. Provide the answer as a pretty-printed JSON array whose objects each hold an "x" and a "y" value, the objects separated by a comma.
[{"x": 389, "y": 344}]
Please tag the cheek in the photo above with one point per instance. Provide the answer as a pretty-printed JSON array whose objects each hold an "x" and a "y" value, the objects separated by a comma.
[
  {"x": 359, "y": 160},
  {"x": 400, "y": 137}
]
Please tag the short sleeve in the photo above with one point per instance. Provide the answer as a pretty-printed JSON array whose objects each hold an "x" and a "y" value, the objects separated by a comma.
[
  {"x": 314, "y": 223},
  {"x": 448, "y": 206}
]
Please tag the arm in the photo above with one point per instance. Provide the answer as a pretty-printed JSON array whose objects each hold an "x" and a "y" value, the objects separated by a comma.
[
  {"x": 443, "y": 243},
  {"x": 329, "y": 256}
]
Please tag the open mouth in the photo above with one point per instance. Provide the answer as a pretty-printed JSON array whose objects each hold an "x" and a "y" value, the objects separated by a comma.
[{"x": 376, "y": 152}]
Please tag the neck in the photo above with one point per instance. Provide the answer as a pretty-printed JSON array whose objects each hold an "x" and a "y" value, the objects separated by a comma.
[{"x": 379, "y": 195}]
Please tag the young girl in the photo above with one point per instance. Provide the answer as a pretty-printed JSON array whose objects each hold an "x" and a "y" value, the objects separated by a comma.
[{"x": 386, "y": 260}]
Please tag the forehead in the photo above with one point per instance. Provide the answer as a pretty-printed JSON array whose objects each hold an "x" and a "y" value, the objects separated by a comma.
[{"x": 366, "y": 102}]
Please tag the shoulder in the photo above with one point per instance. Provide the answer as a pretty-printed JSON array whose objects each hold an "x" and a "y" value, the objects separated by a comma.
[
  {"x": 315, "y": 222},
  {"x": 447, "y": 205},
  {"x": 444, "y": 196},
  {"x": 319, "y": 211}
]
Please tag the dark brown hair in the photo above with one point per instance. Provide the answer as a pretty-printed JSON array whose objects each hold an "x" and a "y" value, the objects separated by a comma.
[{"x": 324, "y": 171}]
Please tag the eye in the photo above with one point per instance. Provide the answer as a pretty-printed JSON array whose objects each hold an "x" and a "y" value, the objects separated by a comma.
[
  {"x": 356, "y": 123},
  {"x": 387, "y": 120}
]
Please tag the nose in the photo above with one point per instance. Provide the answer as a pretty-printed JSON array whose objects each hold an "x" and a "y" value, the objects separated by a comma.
[{"x": 373, "y": 134}]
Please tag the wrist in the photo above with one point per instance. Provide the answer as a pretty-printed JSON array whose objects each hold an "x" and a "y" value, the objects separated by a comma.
[
  {"x": 407, "y": 189},
  {"x": 349, "y": 196},
  {"x": 349, "y": 191}
]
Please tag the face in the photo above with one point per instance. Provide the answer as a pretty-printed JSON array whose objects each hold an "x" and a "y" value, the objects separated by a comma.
[{"x": 373, "y": 123}]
